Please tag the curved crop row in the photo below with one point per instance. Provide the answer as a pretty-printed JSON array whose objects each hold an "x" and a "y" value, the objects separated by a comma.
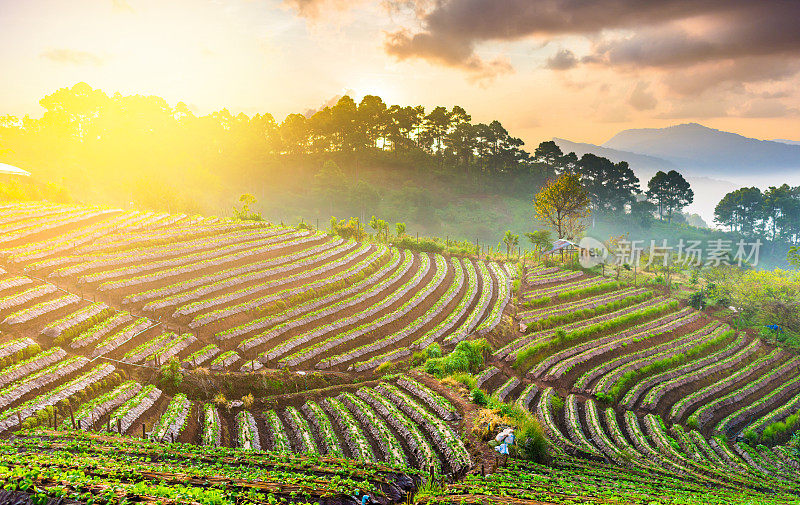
[
  {"x": 405, "y": 427},
  {"x": 387, "y": 442},
  {"x": 702, "y": 395},
  {"x": 173, "y": 420},
  {"x": 331, "y": 342},
  {"x": 315, "y": 308},
  {"x": 637, "y": 390},
  {"x": 280, "y": 442},
  {"x": 351, "y": 431}
]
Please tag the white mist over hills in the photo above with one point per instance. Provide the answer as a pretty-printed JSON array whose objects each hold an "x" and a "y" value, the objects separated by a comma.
[{"x": 713, "y": 161}]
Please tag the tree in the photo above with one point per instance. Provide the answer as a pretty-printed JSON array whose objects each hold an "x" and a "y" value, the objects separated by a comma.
[
  {"x": 510, "y": 240},
  {"x": 741, "y": 210},
  {"x": 381, "y": 228},
  {"x": 793, "y": 256},
  {"x": 643, "y": 211},
  {"x": 244, "y": 213},
  {"x": 329, "y": 182},
  {"x": 540, "y": 239},
  {"x": 400, "y": 228},
  {"x": 612, "y": 186},
  {"x": 563, "y": 205},
  {"x": 670, "y": 191}
]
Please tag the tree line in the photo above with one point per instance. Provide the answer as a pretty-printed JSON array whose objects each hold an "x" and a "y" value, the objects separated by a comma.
[{"x": 774, "y": 213}]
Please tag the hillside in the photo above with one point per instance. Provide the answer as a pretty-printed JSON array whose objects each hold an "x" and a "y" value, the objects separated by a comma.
[{"x": 245, "y": 343}]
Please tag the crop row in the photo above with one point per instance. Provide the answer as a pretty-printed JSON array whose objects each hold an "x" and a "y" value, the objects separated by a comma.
[
  {"x": 10, "y": 417},
  {"x": 441, "y": 434},
  {"x": 301, "y": 428},
  {"x": 574, "y": 429},
  {"x": 633, "y": 364},
  {"x": 21, "y": 298},
  {"x": 62, "y": 243},
  {"x": 407, "y": 330},
  {"x": 586, "y": 308},
  {"x": 226, "y": 280},
  {"x": 636, "y": 391},
  {"x": 582, "y": 330},
  {"x": 165, "y": 294},
  {"x": 88, "y": 314},
  {"x": 202, "y": 355},
  {"x": 40, "y": 309},
  {"x": 602, "y": 441},
  {"x": 557, "y": 276},
  {"x": 405, "y": 427},
  {"x": 127, "y": 414},
  {"x": 92, "y": 411},
  {"x": 23, "y": 232},
  {"x": 703, "y": 414},
  {"x": 14, "y": 282},
  {"x": 290, "y": 280},
  {"x": 384, "y": 437},
  {"x": 750, "y": 410},
  {"x": 613, "y": 342},
  {"x": 280, "y": 442},
  {"x": 320, "y": 347},
  {"x": 540, "y": 339},
  {"x": 40, "y": 379},
  {"x": 31, "y": 365},
  {"x": 492, "y": 319},
  {"x": 183, "y": 266},
  {"x": 436, "y": 402},
  {"x": 350, "y": 429},
  {"x": 311, "y": 309},
  {"x": 100, "y": 330},
  {"x": 702, "y": 395},
  {"x": 433, "y": 311},
  {"x": 116, "y": 339},
  {"x": 536, "y": 297},
  {"x": 135, "y": 263},
  {"x": 173, "y": 420},
  {"x": 224, "y": 360},
  {"x": 247, "y": 432},
  {"x": 319, "y": 419},
  {"x": 544, "y": 412},
  {"x": 222, "y": 313},
  {"x": 212, "y": 429}
]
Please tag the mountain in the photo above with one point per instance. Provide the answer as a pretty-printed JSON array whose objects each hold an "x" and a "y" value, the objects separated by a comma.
[
  {"x": 639, "y": 162},
  {"x": 787, "y": 141},
  {"x": 699, "y": 150},
  {"x": 708, "y": 191}
]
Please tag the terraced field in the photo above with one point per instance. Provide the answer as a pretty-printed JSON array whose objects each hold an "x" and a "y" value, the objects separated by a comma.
[{"x": 622, "y": 379}]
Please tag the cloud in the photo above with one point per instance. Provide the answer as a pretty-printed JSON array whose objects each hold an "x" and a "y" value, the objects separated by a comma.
[
  {"x": 73, "y": 57},
  {"x": 315, "y": 9},
  {"x": 696, "y": 109},
  {"x": 122, "y": 7},
  {"x": 766, "y": 109},
  {"x": 449, "y": 52},
  {"x": 641, "y": 98},
  {"x": 330, "y": 102},
  {"x": 564, "y": 59},
  {"x": 627, "y": 34}
]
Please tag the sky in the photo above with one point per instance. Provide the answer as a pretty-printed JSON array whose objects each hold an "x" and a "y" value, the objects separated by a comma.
[{"x": 548, "y": 68}]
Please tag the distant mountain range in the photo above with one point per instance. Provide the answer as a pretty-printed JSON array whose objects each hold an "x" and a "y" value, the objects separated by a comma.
[
  {"x": 787, "y": 141},
  {"x": 696, "y": 150},
  {"x": 713, "y": 161}
]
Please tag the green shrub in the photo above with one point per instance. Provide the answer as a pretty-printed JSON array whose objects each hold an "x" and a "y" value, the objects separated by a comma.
[
  {"x": 434, "y": 350},
  {"x": 384, "y": 368},
  {"x": 479, "y": 397}
]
